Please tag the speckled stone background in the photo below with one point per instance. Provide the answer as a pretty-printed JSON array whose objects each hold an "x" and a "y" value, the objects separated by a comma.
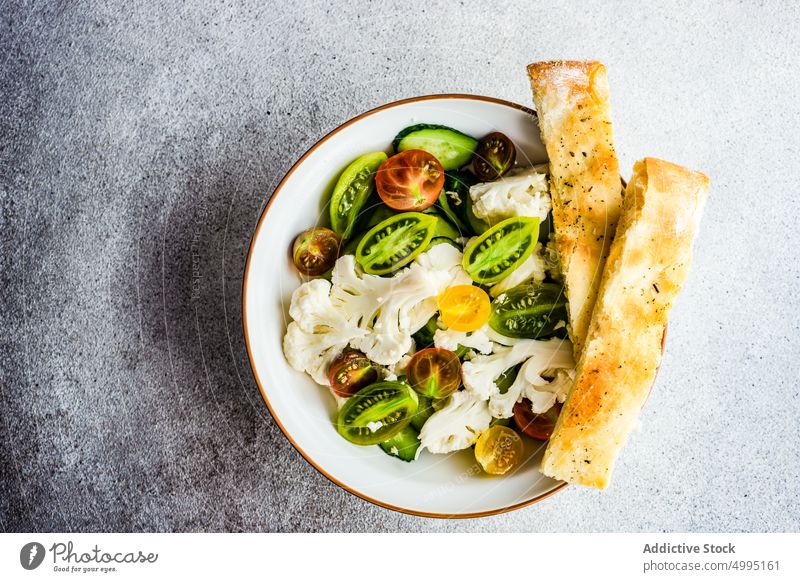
[{"x": 139, "y": 144}]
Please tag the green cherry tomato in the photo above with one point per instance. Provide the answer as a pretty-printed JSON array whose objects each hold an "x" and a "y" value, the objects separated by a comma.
[
  {"x": 395, "y": 242},
  {"x": 352, "y": 191},
  {"x": 500, "y": 250},
  {"x": 377, "y": 413},
  {"x": 529, "y": 311}
]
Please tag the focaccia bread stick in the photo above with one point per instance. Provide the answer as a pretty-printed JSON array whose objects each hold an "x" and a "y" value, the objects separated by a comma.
[
  {"x": 647, "y": 264},
  {"x": 571, "y": 100}
]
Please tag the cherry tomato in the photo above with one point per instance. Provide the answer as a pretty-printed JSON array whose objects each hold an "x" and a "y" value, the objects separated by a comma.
[
  {"x": 410, "y": 180},
  {"x": 494, "y": 156},
  {"x": 315, "y": 250},
  {"x": 351, "y": 371},
  {"x": 499, "y": 450},
  {"x": 464, "y": 307},
  {"x": 535, "y": 426},
  {"x": 434, "y": 372}
]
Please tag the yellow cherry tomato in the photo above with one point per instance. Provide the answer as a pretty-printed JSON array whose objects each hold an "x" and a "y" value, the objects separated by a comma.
[
  {"x": 464, "y": 307},
  {"x": 499, "y": 450}
]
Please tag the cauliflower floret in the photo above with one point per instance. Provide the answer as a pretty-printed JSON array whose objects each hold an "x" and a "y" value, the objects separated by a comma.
[
  {"x": 357, "y": 296},
  {"x": 450, "y": 339},
  {"x": 457, "y": 425},
  {"x": 374, "y": 314},
  {"x": 399, "y": 314},
  {"x": 540, "y": 356},
  {"x": 318, "y": 333},
  {"x": 547, "y": 358},
  {"x": 534, "y": 268},
  {"x": 521, "y": 192}
]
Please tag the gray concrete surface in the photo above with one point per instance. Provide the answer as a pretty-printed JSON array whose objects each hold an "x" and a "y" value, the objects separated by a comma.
[{"x": 138, "y": 146}]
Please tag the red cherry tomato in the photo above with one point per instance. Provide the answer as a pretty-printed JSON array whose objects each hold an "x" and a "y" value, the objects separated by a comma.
[
  {"x": 351, "y": 371},
  {"x": 410, "y": 180},
  {"x": 434, "y": 372},
  {"x": 535, "y": 426}
]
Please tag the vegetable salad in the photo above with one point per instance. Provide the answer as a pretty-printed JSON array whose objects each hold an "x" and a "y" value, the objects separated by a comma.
[{"x": 433, "y": 308}]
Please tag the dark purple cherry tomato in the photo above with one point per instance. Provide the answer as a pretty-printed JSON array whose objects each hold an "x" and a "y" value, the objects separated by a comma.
[
  {"x": 494, "y": 156},
  {"x": 315, "y": 250},
  {"x": 434, "y": 372},
  {"x": 351, "y": 371},
  {"x": 535, "y": 426}
]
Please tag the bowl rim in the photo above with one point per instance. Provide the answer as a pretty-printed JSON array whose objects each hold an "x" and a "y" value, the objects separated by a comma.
[{"x": 256, "y": 231}]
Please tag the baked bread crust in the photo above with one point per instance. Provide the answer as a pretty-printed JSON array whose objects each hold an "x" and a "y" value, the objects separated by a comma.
[
  {"x": 571, "y": 100},
  {"x": 648, "y": 262}
]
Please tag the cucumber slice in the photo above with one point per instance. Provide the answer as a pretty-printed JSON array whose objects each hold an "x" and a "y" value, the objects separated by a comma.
[
  {"x": 446, "y": 207},
  {"x": 403, "y": 445},
  {"x": 452, "y": 148},
  {"x": 424, "y": 411},
  {"x": 395, "y": 242},
  {"x": 475, "y": 223},
  {"x": 354, "y": 187},
  {"x": 453, "y": 201},
  {"x": 500, "y": 250}
]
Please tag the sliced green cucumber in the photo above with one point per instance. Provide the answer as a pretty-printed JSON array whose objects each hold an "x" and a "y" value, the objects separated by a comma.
[
  {"x": 444, "y": 205},
  {"x": 455, "y": 199},
  {"x": 452, "y": 148},
  {"x": 403, "y": 445},
  {"x": 475, "y": 223},
  {"x": 354, "y": 187},
  {"x": 424, "y": 412},
  {"x": 529, "y": 311},
  {"x": 395, "y": 242},
  {"x": 497, "y": 252},
  {"x": 377, "y": 413}
]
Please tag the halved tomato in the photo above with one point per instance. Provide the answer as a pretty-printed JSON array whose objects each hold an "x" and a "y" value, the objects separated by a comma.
[
  {"x": 464, "y": 307},
  {"x": 410, "y": 180},
  {"x": 434, "y": 372},
  {"x": 499, "y": 450},
  {"x": 351, "y": 371},
  {"x": 535, "y": 426},
  {"x": 315, "y": 250}
]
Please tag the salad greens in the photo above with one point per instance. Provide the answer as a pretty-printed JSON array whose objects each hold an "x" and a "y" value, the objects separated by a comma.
[{"x": 380, "y": 274}]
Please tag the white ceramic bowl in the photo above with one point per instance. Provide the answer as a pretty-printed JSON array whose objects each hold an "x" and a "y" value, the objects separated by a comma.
[{"x": 434, "y": 485}]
